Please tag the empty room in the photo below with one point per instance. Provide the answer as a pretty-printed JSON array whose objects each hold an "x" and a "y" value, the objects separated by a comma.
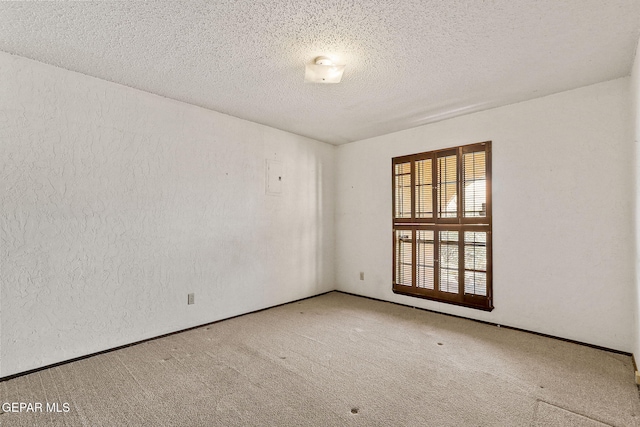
[{"x": 411, "y": 213}]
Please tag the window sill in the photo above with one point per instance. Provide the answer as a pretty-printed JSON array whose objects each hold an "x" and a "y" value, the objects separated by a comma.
[{"x": 484, "y": 307}]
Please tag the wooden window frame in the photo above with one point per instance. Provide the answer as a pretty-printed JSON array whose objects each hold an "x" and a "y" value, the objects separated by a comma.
[{"x": 459, "y": 223}]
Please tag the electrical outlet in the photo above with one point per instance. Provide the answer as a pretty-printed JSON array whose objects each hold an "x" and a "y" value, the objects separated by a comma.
[
  {"x": 362, "y": 275},
  {"x": 191, "y": 299}
]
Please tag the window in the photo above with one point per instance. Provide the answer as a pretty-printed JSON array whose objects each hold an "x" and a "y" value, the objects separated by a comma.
[{"x": 442, "y": 225}]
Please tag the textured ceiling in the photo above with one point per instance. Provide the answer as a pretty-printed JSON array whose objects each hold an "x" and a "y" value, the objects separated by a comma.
[{"x": 408, "y": 62}]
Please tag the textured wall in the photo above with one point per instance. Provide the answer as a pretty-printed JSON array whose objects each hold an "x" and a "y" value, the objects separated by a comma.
[
  {"x": 635, "y": 122},
  {"x": 562, "y": 226},
  {"x": 115, "y": 203}
]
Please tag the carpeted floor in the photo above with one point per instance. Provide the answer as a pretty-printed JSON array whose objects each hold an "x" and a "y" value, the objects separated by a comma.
[{"x": 336, "y": 360}]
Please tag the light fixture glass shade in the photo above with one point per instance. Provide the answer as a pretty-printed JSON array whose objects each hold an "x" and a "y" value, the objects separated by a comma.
[{"x": 318, "y": 73}]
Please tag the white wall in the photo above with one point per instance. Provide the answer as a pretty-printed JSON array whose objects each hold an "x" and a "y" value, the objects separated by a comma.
[
  {"x": 115, "y": 203},
  {"x": 635, "y": 120},
  {"x": 562, "y": 240}
]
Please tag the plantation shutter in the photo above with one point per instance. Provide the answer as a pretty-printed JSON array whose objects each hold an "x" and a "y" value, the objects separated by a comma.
[
  {"x": 402, "y": 186},
  {"x": 448, "y": 186},
  {"x": 449, "y": 270},
  {"x": 424, "y": 188},
  {"x": 404, "y": 257},
  {"x": 475, "y": 262},
  {"x": 475, "y": 184},
  {"x": 425, "y": 248},
  {"x": 442, "y": 225}
]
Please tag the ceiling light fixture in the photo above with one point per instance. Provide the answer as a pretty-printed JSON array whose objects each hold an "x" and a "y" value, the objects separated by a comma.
[{"x": 323, "y": 70}]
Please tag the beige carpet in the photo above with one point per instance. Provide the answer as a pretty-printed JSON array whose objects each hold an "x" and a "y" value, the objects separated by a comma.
[{"x": 337, "y": 360}]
